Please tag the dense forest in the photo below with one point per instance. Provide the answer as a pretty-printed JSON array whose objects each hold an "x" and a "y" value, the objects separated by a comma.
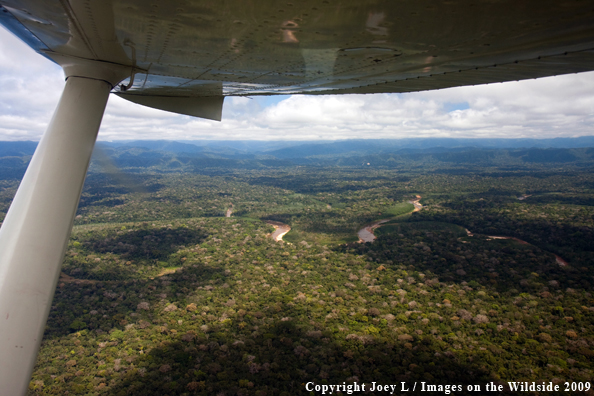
[{"x": 171, "y": 283}]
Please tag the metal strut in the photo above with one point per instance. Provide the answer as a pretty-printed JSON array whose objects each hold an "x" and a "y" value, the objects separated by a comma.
[{"x": 35, "y": 232}]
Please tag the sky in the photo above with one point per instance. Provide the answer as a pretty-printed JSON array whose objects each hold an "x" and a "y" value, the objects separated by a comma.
[{"x": 562, "y": 106}]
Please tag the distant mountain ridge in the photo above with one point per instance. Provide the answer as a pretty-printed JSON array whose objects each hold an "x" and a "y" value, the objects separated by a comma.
[
  {"x": 168, "y": 155},
  {"x": 17, "y": 149},
  {"x": 317, "y": 147}
]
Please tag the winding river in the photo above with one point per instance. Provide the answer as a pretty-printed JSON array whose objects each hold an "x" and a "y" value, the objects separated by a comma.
[
  {"x": 366, "y": 233},
  {"x": 280, "y": 229}
]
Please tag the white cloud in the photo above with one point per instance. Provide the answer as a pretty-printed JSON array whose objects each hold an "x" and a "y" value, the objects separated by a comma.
[{"x": 30, "y": 87}]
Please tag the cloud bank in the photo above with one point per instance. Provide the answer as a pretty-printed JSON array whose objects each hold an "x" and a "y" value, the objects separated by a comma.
[{"x": 563, "y": 106}]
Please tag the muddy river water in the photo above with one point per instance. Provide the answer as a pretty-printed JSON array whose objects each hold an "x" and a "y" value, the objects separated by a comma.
[
  {"x": 366, "y": 233},
  {"x": 280, "y": 229}
]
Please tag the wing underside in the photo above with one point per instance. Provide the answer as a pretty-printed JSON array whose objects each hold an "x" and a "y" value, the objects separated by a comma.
[{"x": 189, "y": 49}]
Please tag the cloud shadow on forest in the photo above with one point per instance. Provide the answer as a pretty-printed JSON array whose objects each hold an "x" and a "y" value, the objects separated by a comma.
[
  {"x": 76, "y": 301},
  {"x": 284, "y": 358},
  {"x": 149, "y": 243},
  {"x": 509, "y": 265}
]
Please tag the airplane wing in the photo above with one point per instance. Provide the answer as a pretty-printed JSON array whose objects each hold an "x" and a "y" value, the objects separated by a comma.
[{"x": 190, "y": 49}]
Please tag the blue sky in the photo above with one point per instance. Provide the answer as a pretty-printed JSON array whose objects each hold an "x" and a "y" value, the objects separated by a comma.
[{"x": 563, "y": 106}]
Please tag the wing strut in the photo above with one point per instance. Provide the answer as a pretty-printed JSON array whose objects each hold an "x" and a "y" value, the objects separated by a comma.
[{"x": 35, "y": 232}]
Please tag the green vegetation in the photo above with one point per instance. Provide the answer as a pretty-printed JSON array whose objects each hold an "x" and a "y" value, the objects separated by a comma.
[
  {"x": 163, "y": 295},
  {"x": 400, "y": 209}
]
